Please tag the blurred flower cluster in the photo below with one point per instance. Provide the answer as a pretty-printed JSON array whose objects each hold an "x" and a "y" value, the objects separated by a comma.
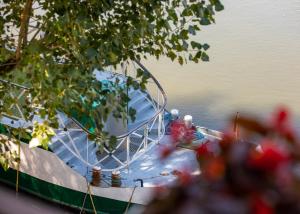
[
  {"x": 257, "y": 173},
  {"x": 180, "y": 134}
]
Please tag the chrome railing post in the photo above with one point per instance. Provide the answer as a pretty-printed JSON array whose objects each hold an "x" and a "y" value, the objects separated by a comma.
[
  {"x": 159, "y": 125},
  {"x": 158, "y": 100},
  {"x": 128, "y": 150},
  {"x": 146, "y": 128}
]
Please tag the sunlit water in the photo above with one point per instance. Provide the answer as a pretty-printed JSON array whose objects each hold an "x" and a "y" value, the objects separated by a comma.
[{"x": 254, "y": 64}]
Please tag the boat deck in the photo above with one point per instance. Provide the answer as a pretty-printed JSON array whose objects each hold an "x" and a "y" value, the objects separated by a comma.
[{"x": 156, "y": 172}]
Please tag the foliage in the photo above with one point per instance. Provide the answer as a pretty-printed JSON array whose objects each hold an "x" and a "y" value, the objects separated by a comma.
[
  {"x": 53, "y": 47},
  {"x": 257, "y": 173},
  {"x": 41, "y": 135},
  {"x": 7, "y": 155}
]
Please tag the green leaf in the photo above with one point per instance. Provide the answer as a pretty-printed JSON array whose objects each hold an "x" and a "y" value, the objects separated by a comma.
[
  {"x": 173, "y": 15},
  {"x": 139, "y": 73},
  {"x": 198, "y": 54},
  {"x": 180, "y": 60},
  {"x": 192, "y": 30},
  {"x": 132, "y": 114},
  {"x": 204, "y": 57},
  {"x": 172, "y": 55},
  {"x": 205, "y": 46},
  {"x": 112, "y": 57},
  {"x": 219, "y": 6},
  {"x": 204, "y": 21},
  {"x": 41, "y": 135},
  {"x": 184, "y": 34},
  {"x": 196, "y": 45},
  {"x": 185, "y": 45},
  {"x": 91, "y": 53}
]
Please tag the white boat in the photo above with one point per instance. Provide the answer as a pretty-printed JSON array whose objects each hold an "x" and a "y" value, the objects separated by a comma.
[{"x": 64, "y": 172}]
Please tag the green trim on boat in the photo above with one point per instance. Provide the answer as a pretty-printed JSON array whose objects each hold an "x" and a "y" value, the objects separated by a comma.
[{"x": 61, "y": 194}]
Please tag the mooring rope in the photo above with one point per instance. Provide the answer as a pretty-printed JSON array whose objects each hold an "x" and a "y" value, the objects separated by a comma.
[
  {"x": 91, "y": 197},
  {"x": 83, "y": 203},
  {"x": 18, "y": 166},
  {"x": 130, "y": 199}
]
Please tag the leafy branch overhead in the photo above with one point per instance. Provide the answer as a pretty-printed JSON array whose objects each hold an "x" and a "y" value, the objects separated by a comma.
[{"x": 53, "y": 47}]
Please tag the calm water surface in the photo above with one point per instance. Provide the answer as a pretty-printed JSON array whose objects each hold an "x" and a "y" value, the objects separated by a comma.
[{"x": 254, "y": 64}]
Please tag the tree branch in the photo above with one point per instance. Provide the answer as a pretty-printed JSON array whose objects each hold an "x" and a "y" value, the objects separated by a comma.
[
  {"x": 38, "y": 31},
  {"x": 6, "y": 64}
]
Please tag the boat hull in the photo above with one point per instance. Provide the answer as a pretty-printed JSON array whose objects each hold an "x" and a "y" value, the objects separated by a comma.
[
  {"x": 62, "y": 195},
  {"x": 46, "y": 176}
]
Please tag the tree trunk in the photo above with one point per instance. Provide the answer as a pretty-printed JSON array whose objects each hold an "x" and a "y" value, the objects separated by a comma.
[{"x": 22, "y": 40}]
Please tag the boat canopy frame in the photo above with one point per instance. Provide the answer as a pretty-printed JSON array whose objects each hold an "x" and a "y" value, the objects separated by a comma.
[{"x": 157, "y": 97}]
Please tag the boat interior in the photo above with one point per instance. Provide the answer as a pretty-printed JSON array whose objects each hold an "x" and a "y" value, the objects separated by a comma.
[{"x": 135, "y": 156}]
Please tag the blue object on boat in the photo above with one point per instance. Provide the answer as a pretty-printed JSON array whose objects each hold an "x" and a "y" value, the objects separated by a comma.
[
  {"x": 167, "y": 116},
  {"x": 198, "y": 135}
]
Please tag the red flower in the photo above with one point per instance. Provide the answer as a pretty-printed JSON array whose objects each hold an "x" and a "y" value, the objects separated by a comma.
[
  {"x": 214, "y": 169},
  {"x": 281, "y": 124},
  {"x": 160, "y": 191},
  {"x": 166, "y": 151},
  {"x": 180, "y": 133},
  {"x": 227, "y": 139},
  {"x": 260, "y": 206},
  {"x": 282, "y": 115},
  {"x": 269, "y": 159},
  {"x": 289, "y": 134},
  {"x": 177, "y": 130},
  {"x": 189, "y": 134},
  {"x": 228, "y": 136},
  {"x": 202, "y": 151},
  {"x": 184, "y": 177}
]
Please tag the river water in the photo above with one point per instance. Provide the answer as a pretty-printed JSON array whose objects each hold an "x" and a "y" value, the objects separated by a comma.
[{"x": 254, "y": 65}]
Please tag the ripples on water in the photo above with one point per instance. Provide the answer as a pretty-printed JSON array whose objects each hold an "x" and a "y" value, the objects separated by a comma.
[{"x": 254, "y": 64}]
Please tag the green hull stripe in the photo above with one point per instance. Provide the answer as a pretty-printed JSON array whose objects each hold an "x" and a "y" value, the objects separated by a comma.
[{"x": 61, "y": 194}]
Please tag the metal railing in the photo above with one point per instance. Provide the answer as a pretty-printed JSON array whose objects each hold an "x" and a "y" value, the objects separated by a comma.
[
  {"x": 135, "y": 141},
  {"x": 145, "y": 132}
]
